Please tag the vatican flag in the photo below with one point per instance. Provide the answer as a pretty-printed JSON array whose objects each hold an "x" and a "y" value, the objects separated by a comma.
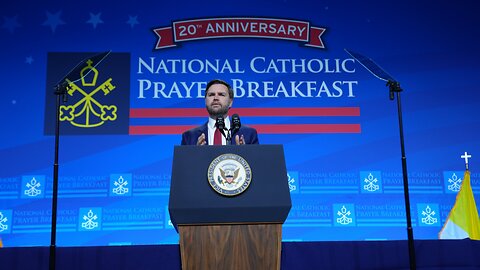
[
  {"x": 463, "y": 221},
  {"x": 1, "y": 243}
]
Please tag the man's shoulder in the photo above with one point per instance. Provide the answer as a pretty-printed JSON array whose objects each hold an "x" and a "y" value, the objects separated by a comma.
[
  {"x": 196, "y": 129},
  {"x": 190, "y": 136},
  {"x": 249, "y": 133},
  {"x": 248, "y": 129}
]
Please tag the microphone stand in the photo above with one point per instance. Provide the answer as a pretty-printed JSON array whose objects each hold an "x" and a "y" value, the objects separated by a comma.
[
  {"x": 394, "y": 87},
  {"x": 228, "y": 138},
  {"x": 230, "y": 134}
]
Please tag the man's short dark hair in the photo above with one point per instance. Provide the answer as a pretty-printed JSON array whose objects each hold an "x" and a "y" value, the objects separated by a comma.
[{"x": 218, "y": 81}]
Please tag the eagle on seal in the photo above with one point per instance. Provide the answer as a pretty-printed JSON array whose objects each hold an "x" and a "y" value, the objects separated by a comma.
[{"x": 229, "y": 176}]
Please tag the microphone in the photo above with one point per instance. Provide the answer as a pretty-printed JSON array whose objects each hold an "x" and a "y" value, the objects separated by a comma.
[
  {"x": 220, "y": 124},
  {"x": 235, "y": 123}
]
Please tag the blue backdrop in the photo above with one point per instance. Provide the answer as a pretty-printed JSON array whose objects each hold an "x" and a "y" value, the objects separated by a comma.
[{"x": 294, "y": 82}]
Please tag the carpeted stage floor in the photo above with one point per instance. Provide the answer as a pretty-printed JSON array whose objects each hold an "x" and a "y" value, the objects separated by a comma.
[{"x": 430, "y": 254}]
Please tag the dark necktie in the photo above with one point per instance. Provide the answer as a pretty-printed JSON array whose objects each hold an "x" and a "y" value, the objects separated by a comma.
[{"x": 217, "y": 137}]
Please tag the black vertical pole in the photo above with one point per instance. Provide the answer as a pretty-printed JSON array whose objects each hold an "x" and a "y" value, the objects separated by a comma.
[
  {"x": 395, "y": 87},
  {"x": 61, "y": 93},
  {"x": 53, "y": 236}
]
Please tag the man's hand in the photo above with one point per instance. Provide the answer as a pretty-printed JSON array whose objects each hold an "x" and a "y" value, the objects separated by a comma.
[
  {"x": 201, "y": 140},
  {"x": 239, "y": 140}
]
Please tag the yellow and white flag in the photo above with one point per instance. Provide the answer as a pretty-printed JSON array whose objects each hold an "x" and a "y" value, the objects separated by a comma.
[{"x": 463, "y": 221}]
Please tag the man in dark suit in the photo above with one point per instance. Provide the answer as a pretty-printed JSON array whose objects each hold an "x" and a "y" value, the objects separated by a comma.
[{"x": 218, "y": 100}]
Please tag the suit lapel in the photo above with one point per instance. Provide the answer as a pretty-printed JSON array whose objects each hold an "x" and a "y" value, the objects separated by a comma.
[{"x": 204, "y": 130}]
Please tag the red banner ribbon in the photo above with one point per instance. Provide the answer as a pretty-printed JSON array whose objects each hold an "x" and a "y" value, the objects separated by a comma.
[{"x": 239, "y": 27}]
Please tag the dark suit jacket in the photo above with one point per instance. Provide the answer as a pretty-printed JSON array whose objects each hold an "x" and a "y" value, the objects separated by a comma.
[{"x": 190, "y": 137}]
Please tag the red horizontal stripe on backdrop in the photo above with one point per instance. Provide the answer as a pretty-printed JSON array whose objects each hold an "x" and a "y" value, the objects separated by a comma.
[
  {"x": 263, "y": 129},
  {"x": 333, "y": 111},
  {"x": 159, "y": 130},
  {"x": 307, "y": 128},
  {"x": 201, "y": 112},
  {"x": 167, "y": 113}
]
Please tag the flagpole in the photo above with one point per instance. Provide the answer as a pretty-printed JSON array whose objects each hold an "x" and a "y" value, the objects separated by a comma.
[
  {"x": 395, "y": 89},
  {"x": 466, "y": 156}
]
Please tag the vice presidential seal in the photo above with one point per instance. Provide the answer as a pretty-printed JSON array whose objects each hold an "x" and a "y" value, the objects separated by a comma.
[{"x": 229, "y": 174}]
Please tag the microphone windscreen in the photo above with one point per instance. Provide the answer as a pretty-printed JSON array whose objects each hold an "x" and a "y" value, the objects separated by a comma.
[
  {"x": 236, "y": 124},
  {"x": 220, "y": 123}
]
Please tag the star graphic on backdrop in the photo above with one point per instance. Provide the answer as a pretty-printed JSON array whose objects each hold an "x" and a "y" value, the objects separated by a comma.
[
  {"x": 10, "y": 23},
  {"x": 29, "y": 60},
  {"x": 132, "y": 20},
  {"x": 95, "y": 19},
  {"x": 53, "y": 20}
]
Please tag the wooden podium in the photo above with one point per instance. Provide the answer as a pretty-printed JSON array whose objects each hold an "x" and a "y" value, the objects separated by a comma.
[{"x": 229, "y": 232}]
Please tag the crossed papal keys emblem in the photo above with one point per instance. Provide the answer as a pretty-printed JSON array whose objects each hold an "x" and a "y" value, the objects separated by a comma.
[{"x": 89, "y": 112}]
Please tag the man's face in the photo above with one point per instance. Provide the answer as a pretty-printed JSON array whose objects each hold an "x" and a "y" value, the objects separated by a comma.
[{"x": 217, "y": 100}]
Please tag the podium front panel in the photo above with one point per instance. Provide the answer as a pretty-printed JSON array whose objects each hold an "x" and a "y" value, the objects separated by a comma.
[{"x": 194, "y": 201}]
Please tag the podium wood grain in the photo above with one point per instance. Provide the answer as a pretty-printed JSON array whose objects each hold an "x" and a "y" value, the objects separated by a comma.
[{"x": 223, "y": 247}]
